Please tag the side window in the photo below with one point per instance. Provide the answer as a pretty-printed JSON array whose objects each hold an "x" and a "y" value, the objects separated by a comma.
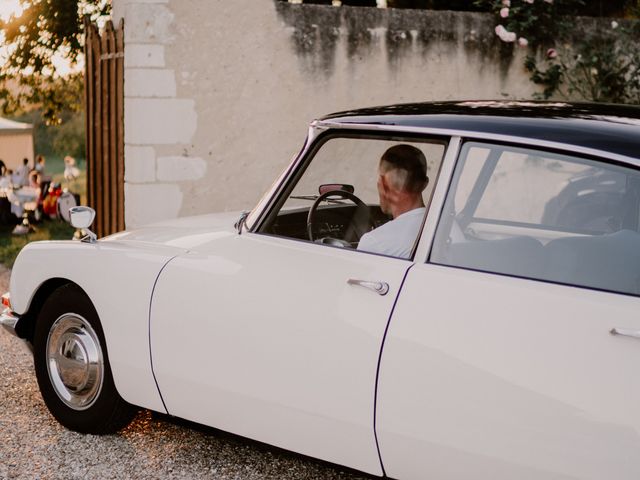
[
  {"x": 334, "y": 199},
  {"x": 542, "y": 215}
]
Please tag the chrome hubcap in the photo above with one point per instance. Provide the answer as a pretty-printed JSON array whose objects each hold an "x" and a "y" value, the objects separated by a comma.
[{"x": 74, "y": 361}]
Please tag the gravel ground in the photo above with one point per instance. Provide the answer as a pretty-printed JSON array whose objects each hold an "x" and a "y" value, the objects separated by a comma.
[{"x": 34, "y": 445}]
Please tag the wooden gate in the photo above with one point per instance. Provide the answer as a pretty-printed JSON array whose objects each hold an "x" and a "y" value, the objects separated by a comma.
[{"x": 104, "y": 106}]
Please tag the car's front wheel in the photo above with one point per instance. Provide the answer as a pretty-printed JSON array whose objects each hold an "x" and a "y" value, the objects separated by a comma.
[{"x": 72, "y": 366}]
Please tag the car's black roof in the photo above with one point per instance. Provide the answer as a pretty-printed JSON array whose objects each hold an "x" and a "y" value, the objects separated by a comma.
[{"x": 607, "y": 127}]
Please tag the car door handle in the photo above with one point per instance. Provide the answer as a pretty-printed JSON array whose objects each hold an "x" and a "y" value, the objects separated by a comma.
[
  {"x": 381, "y": 288},
  {"x": 627, "y": 332}
]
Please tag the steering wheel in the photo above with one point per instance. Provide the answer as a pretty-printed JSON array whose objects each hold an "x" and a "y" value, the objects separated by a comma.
[{"x": 359, "y": 225}]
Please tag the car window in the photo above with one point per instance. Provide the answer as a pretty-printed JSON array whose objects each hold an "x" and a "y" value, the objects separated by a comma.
[
  {"x": 348, "y": 167},
  {"x": 542, "y": 215}
]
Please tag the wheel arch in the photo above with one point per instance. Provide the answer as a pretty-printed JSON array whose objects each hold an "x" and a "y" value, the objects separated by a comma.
[
  {"x": 118, "y": 278},
  {"x": 25, "y": 328}
]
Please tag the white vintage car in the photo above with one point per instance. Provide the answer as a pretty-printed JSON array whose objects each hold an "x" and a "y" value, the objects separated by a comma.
[{"x": 504, "y": 345}]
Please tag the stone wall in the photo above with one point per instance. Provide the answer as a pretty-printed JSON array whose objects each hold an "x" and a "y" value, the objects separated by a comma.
[{"x": 218, "y": 93}]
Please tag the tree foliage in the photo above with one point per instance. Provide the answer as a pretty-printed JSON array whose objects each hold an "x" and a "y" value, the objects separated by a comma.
[{"x": 43, "y": 42}]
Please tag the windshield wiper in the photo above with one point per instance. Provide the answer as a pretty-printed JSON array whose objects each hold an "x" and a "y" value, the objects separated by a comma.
[
  {"x": 305, "y": 197},
  {"x": 313, "y": 198}
]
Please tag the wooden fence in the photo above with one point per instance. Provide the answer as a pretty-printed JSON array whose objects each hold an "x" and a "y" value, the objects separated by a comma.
[{"x": 104, "y": 92}]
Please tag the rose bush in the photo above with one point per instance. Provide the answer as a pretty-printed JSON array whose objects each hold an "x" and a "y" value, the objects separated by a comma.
[{"x": 601, "y": 66}]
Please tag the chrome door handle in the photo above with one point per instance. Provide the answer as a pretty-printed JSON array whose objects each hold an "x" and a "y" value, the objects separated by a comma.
[
  {"x": 627, "y": 332},
  {"x": 381, "y": 288}
]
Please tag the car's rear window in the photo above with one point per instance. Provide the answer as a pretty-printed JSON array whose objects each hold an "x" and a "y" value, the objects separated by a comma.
[{"x": 543, "y": 215}]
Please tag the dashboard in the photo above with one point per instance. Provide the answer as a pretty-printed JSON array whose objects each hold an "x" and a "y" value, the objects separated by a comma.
[{"x": 331, "y": 221}]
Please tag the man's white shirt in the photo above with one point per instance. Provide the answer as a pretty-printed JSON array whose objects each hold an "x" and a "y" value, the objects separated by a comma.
[
  {"x": 394, "y": 238},
  {"x": 22, "y": 176}
]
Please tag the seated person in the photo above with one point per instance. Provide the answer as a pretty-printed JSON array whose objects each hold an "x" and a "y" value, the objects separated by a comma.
[
  {"x": 34, "y": 179},
  {"x": 401, "y": 181},
  {"x": 5, "y": 179}
]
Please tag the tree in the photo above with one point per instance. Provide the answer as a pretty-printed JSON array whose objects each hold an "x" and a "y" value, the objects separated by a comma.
[{"x": 42, "y": 42}]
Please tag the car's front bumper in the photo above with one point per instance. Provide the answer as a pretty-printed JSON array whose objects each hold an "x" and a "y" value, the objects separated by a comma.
[{"x": 9, "y": 320}]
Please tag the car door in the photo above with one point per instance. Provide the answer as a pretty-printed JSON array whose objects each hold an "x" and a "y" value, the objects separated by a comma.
[
  {"x": 500, "y": 360},
  {"x": 276, "y": 338}
]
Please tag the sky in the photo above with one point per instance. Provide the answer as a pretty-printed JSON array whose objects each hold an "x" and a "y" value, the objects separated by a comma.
[{"x": 8, "y": 7}]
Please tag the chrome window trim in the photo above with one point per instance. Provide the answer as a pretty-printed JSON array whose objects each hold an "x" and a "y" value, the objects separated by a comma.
[
  {"x": 485, "y": 136},
  {"x": 318, "y": 127},
  {"x": 436, "y": 205}
]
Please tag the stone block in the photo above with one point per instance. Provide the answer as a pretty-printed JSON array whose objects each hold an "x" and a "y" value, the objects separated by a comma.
[
  {"x": 144, "y": 55},
  {"x": 177, "y": 169},
  {"x": 159, "y": 121},
  {"x": 148, "y": 82},
  {"x": 150, "y": 203},
  {"x": 147, "y": 23},
  {"x": 139, "y": 164}
]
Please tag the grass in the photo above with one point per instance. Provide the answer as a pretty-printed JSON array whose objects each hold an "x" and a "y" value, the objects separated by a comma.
[{"x": 10, "y": 245}]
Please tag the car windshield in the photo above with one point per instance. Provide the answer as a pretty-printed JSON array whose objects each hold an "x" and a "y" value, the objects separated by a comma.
[{"x": 344, "y": 171}]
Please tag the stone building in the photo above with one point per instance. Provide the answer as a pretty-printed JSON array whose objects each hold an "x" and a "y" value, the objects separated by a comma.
[
  {"x": 218, "y": 93},
  {"x": 16, "y": 143}
]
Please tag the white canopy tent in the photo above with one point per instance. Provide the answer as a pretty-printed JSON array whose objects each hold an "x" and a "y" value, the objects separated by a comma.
[{"x": 16, "y": 143}]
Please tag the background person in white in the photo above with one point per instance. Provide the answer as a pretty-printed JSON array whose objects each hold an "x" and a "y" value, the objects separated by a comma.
[
  {"x": 22, "y": 174},
  {"x": 402, "y": 179}
]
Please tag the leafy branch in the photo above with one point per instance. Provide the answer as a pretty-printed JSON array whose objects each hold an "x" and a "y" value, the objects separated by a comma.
[{"x": 42, "y": 42}]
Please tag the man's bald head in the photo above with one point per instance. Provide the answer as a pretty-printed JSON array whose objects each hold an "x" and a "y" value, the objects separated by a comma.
[{"x": 405, "y": 166}]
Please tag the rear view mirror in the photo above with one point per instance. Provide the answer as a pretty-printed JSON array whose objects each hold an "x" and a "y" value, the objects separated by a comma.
[
  {"x": 81, "y": 217},
  {"x": 331, "y": 187}
]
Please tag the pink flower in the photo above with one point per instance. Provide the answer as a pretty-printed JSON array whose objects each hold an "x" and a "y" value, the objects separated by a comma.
[
  {"x": 552, "y": 53},
  {"x": 505, "y": 35},
  {"x": 504, "y": 12},
  {"x": 523, "y": 42},
  {"x": 506, "y": 3}
]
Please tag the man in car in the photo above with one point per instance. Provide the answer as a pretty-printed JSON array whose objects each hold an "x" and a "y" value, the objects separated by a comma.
[{"x": 402, "y": 179}]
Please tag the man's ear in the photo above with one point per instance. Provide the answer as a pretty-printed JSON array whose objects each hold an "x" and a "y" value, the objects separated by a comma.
[{"x": 384, "y": 182}]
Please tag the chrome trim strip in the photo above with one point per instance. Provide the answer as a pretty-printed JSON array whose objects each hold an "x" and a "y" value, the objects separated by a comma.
[
  {"x": 439, "y": 196},
  {"x": 626, "y": 332},
  {"x": 528, "y": 141},
  {"x": 9, "y": 320}
]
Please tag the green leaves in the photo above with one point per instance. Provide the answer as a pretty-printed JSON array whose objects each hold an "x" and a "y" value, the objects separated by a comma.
[
  {"x": 45, "y": 44},
  {"x": 602, "y": 66}
]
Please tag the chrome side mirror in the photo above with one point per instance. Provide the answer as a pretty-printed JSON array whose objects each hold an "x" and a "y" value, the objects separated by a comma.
[
  {"x": 82, "y": 217},
  {"x": 240, "y": 223}
]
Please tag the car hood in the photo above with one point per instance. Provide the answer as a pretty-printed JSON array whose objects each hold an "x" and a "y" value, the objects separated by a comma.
[{"x": 184, "y": 233}]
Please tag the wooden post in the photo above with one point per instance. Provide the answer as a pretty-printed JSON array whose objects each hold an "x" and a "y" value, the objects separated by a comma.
[
  {"x": 104, "y": 94},
  {"x": 120, "y": 123}
]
